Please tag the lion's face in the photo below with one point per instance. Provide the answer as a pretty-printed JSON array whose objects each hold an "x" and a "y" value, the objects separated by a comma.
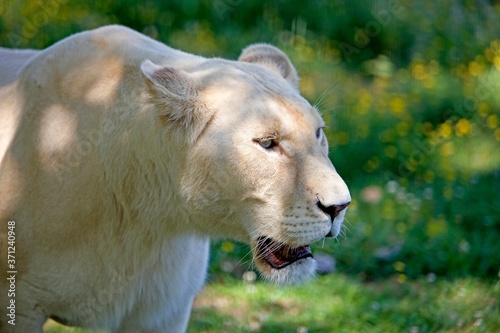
[{"x": 258, "y": 169}]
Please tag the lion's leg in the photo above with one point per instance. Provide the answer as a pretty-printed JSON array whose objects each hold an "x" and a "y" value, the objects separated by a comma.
[
  {"x": 165, "y": 305},
  {"x": 24, "y": 317},
  {"x": 174, "y": 323},
  {"x": 24, "y": 324},
  {"x": 178, "y": 323}
]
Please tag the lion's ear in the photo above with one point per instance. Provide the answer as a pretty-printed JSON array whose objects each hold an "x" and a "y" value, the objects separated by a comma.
[
  {"x": 272, "y": 58},
  {"x": 168, "y": 81},
  {"x": 173, "y": 92}
]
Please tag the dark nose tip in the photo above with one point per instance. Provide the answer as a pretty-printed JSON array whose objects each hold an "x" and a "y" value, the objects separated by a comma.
[{"x": 333, "y": 210}]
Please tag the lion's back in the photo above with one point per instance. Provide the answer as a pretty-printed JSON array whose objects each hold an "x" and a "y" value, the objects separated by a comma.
[
  {"x": 84, "y": 69},
  {"x": 11, "y": 61}
]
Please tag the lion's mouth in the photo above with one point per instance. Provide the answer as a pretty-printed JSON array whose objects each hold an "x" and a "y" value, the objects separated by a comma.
[{"x": 279, "y": 255}]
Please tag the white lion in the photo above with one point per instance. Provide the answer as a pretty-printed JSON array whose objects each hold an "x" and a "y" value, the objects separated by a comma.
[{"x": 120, "y": 157}]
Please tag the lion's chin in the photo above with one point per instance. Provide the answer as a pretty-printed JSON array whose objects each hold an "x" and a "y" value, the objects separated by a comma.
[
  {"x": 282, "y": 263},
  {"x": 296, "y": 273}
]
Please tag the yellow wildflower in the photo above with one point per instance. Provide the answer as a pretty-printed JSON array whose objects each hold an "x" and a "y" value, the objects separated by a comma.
[{"x": 463, "y": 127}]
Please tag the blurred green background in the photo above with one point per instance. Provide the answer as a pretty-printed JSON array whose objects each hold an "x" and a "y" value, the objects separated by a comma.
[{"x": 410, "y": 91}]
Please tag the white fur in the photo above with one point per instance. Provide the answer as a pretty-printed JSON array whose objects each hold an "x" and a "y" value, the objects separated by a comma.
[{"x": 120, "y": 157}]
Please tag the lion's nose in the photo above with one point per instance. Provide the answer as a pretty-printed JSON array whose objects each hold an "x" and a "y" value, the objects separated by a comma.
[{"x": 333, "y": 210}]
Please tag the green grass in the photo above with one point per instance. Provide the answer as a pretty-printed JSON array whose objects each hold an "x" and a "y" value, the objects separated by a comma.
[{"x": 341, "y": 303}]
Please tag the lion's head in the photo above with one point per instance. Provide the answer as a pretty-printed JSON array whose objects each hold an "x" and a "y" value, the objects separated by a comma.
[{"x": 257, "y": 167}]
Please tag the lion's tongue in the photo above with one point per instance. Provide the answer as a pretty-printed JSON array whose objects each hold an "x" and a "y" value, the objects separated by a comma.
[{"x": 280, "y": 255}]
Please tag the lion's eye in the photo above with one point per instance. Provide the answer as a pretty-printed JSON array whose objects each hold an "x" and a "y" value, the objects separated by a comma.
[
  {"x": 268, "y": 143},
  {"x": 319, "y": 133}
]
